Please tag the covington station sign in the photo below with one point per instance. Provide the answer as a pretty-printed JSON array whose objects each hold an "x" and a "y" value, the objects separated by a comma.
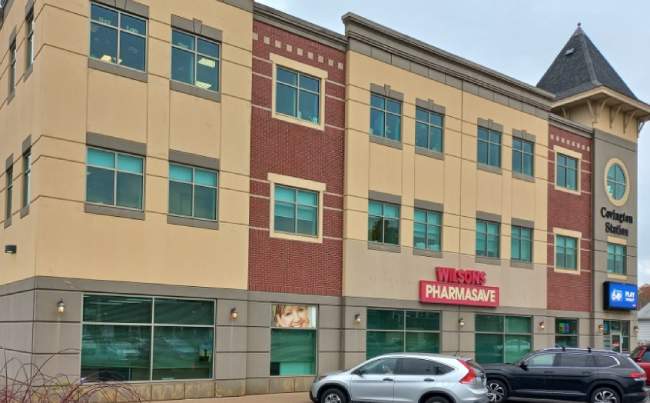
[
  {"x": 618, "y": 218},
  {"x": 459, "y": 287}
]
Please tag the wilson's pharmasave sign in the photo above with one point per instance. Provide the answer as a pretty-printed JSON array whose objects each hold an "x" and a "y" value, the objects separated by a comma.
[{"x": 459, "y": 287}]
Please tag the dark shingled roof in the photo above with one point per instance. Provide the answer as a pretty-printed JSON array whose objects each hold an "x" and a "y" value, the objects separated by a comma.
[{"x": 581, "y": 67}]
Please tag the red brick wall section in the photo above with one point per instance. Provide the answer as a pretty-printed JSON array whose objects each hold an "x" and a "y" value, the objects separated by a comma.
[
  {"x": 571, "y": 212},
  {"x": 278, "y": 265}
]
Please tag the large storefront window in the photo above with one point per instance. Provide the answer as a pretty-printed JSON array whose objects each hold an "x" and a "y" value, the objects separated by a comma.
[
  {"x": 566, "y": 332},
  {"x": 502, "y": 338},
  {"x": 402, "y": 331},
  {"x": 293, "y": 340},
  {"x": 616, "y": 335},
  {"x": 146, "y": 338}
]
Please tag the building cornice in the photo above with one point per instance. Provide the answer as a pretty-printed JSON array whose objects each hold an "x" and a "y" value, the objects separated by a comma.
[
  {"x": 299, "y": 26},
  {"x": 390, "y": 46},
  {"x": 570, "y": 126}
]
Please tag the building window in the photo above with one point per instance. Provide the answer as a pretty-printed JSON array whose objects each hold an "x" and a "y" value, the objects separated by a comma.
[
  {"x": 566, "y": 332},
  {"x": 195, "y": 60},
  {"x": 27, "y": 176},
  {"x": 522, "y": 244},
  {"x": 566, "y": 172},
  {"x": 428, "y": 130},
  {"x": 385, "y": 117},
  {"x": 487, "y": 238},
  {"x": 616, "y": 335},
  {"x": 383, "y": 222},
  {"x": 9, "y": 193},
  {"x": 523, "y": 157},
  {"x": 193, "y": 192},
  {"x": 114, "y": 179},
  {"x": 117, "y": 37},
  {"x": 293, "y": 340},
  {"x": 297, "y": 95},
  {"x": 427, "y": 230},
  {"x": 146, "y": 338},
  {"x": 502, "y": 339},
  {"x": 616, "y": 182},
  {"x": 398, "y": 331},
  {"x": 489, "y": 147},
  {"x": 295, "y": 211},
  {"x": 30, "y": 38},
  {"x": 616, "y": 257},
  {"x": 566, "y": 252},
  {"x": 12, "y": 67}
]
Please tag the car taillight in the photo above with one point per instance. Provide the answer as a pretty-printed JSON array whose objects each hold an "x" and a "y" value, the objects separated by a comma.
[
  {"x": 471, "y": 374},
  {"x": 637, "y": 376}
]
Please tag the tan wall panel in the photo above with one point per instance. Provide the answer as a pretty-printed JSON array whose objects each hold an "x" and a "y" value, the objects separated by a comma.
[
  {"x": 159, "y": 54},
  {"x": 158, "y": 125},
  {"x": 450, "y": 236},
  {"x": 117, "y": 106},
  {"x": 385, "y": 174},
  {"x": 429, "y": 179},
  {"x": 524, "y": 200},
  {"x": 239, "y": 80},
  {"x": 63, "y": 90},
  {"x": 453, "y": 175},
  {"x": 109, "y": 248},
  {"x": 489, "y": 192},
  {"x": 356, "y": 224},
  {"x": 233, "y": 207},
  {"x": 194, "y": 125},
  {"x": 235, "y": 141},
  {"x": 453, "y": 140},
  {"x": 63, "y": 29},
  {"x": 56, "y": 172}
]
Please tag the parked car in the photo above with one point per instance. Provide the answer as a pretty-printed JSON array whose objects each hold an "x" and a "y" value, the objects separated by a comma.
[
  {"x": 595, "y": 376},
  {"x": 408, "y": 377},
  {"x": 641, "y": 355}
]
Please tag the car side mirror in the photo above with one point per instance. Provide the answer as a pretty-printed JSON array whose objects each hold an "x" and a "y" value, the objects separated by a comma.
[
  {"x": 358, "y": 372},
  {"x": 523, "y": 365}
]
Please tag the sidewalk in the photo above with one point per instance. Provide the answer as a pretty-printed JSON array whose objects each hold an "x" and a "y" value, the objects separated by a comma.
[{"x": 278, "y": 398}]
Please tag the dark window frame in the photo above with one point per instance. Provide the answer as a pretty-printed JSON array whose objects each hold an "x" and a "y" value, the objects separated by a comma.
[
  {"x": 115, "y": 171},
  {"x": 486, "y": 235},
  {"x": 194, "y": 186},
  {"x": 386, "y": 112},
  {"x": 521, "y": 240},
  {"x": 383, "y": 219},
  {"x": 519, "y": 153},
  {"x": 564, "y": 163},
  {"x": 618, "y": 258},
  {"x": 195, "y": 52},
  {"x": 429, "y": 125},
  {"x": 299, "y": 90},
  {"x": 561, "y": 263},
  {"x": 490, "y": 159},
  {"x": 296, "y": 205}
]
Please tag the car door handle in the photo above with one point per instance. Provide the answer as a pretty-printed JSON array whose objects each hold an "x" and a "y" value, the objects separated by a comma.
[
  {"x": 387, "y": 380},
  {"x": 429, "y": 380}
]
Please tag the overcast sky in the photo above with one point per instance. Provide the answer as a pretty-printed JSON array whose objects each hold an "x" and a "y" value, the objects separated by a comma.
[{"x": 521, "y": 39}]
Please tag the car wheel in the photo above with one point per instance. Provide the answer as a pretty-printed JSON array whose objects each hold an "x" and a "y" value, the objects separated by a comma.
[
  {"x": 604, "y": 395},
  {"x": 333, "y": 396},
  {"x": 497, "y": 391},
  {"x": 436, "y": 399}
]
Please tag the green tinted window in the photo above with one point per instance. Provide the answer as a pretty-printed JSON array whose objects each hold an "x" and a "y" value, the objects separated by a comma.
[
  {"x": 566, "y": 252},
  {"x": 297, "y": 95},
  {"x": 116, "y": 309},
  {"x": 427, "y": 230},
  {"x": 296, "y": 211},
  {"x": 114, "y": 179},
  {"x": 422, "y": 342},
  {"x": 518, "y": 324},
  {"x": 566, "y": 172},
  {"x": 378, "y": 343},
  {"x": 184, "y": 312},
  {"x": 182, "y": 352},
  {"x": 422, "y": 320},
  {"x": 521, "y": 244},
  {"x": 616, "y": 182},
  {"x": 502, "y": 338},
  {"x": 112, "y": 30},
  {"x": 385, "y": 117},
  {"x": 293, "y": 352},
  {"x": 517, "y": 346},
  {"x": 489, "y": 147},
  {"x": 193, "y": 192},
  {"x": 489, "y": 348},
  {"x": 385, "y": 320},
  {"x": 566, "y": 332},
  {"x": 522, "y": 157},
  {"x": 195, "y": 60},
  {"x": 428, "y": 130},
  {"x": 616, "y": 258},
  {"x": 489, "y": 323},
  {"x": 383, "y": 222},
  {"x": 487, "y": 238}
]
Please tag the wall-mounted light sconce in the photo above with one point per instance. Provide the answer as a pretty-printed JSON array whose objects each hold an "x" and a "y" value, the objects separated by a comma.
[
  {"x": 357, "y": 318},
  {"x": 542, "y": 325},
  {"x": 60, "y": 307},
  {"x": 11, "y": 249},
  {"x": 636, "y": 329},
  {"x": 601, "y": 328},
  {"x": 461, "y": 322},
  {"x": 234, "y": 314}
]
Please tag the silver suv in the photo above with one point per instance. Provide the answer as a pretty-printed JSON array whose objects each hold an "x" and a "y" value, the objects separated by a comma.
[{"x": 408, "y": 377}]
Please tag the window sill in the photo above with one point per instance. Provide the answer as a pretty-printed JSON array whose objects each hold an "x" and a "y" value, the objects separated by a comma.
[
  {"x": 296, "y": 237},
  {"x": 523, "y": 177},
  {"x": 24, "y": 211},
  {"x": 495, "y": 261},
  {"x": 429, "y": 153},
  {"x": 489, "y": 168},
  {"x": 427, "y": 252},
  {"x": 192, "y": 222},
  {"x": 297, "y": 121},
  {"x": 567, "y": 190},
  {"x": 193, "y": 90},
  {"x": 617, "y": 276},
  {"x": 118, "y": 70},
  {"x": 384, "y": 247},
  {"x": 113, "y": 211},
  {"x": 386, "y": 142},
  {"x": 7, "y": 222},
  {"x": 521, "y": 264},
  {"x": 575, "y": 272}
]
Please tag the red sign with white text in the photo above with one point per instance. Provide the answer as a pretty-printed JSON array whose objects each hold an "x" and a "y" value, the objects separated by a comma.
[{"x": 459, "y": 287}]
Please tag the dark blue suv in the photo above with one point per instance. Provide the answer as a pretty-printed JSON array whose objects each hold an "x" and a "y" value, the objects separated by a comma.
[{"x": 595, "y": 376}]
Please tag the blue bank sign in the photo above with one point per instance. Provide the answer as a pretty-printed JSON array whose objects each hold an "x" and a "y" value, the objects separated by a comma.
[{"x": 620, "y": 295}]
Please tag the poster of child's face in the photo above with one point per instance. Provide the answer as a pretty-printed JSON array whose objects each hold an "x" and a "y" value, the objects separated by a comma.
[{"x": 294, "y": 316}]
